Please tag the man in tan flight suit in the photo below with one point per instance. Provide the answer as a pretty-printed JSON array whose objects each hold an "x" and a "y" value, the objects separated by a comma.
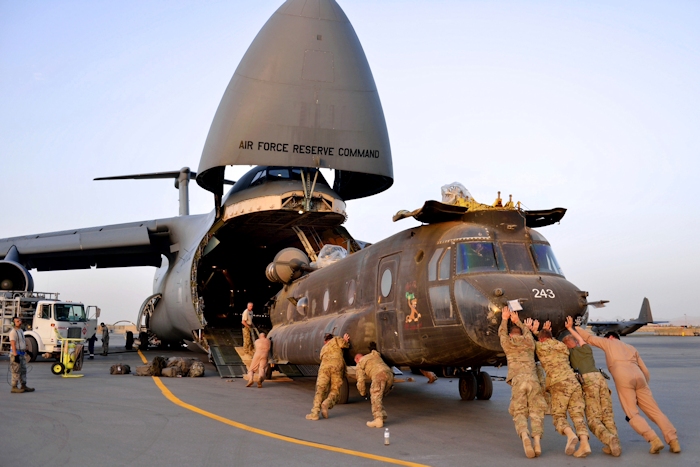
[
  {"x": 564, "y": 388},
  {"x": 373, "y": 367},
  {"x": 599, "y": 410},
  {"x": 526, "y": 398},
  {"x": 330, "y": 375},
  {"x": 259, "y": 363},
  {"x": 631, "y": 381}
]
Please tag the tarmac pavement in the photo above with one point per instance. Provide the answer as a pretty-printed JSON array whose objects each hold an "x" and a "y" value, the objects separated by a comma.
[{"x": 126, "y": 420}]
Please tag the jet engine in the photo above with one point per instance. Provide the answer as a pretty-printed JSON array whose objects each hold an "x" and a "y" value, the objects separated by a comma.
[{"x": 14, "y": 276}]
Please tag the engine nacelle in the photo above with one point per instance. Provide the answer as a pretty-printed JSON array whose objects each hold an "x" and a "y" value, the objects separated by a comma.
[{"x": 14, "y": 276}]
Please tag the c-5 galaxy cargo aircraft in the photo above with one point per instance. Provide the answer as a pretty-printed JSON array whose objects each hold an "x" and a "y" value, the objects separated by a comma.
[
  {"x": 303, "y": 98},
  {"x": 626, "y": 327}
]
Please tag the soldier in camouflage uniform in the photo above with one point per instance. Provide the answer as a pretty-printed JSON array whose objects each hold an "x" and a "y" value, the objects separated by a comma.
[
  {"x": 542, "y": 377},
  {"x": 565, "y": 389},
  {"x": 372, "y": 367},
  {"x": 330, "y": 375},
  {"x": 599, "y": 411},
  {"x": 526, "y": 398}
]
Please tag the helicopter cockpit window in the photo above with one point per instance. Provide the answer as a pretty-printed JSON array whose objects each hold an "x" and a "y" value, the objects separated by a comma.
[
  {"x": 476, "y": 257},
  {"x": 432, "y": 266},
  {"x": 517, "y": 257},
  {"x": 445, "y": 265},
  {"x": 545, "y": 259}
]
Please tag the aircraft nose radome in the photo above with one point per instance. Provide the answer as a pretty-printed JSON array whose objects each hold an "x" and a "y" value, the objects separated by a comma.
[{"x": 303, "y": 95}]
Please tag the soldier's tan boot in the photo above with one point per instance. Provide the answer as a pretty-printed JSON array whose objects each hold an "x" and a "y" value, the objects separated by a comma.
[
  {"x": 312, "y": 416},
  {"x": 615, "y": 448},
  {"x": 607, "y": 450},
  {"x": 250, "y": 383},
  {"x": 527, "y": 445},
  {"x": 655, "y": 446},
  {"x": 16, "y": 390},
  {"x": 27, "y": 388},
  {"x": 584, "y": 448},
  {"x": 324, "y": 409},
  {"x": 376, "y": 423},
  {"x": 571, "y": 441},
  {"x": 675, "y": 446},
  {"x": 537, "y": 447},
  {"x": 259, "y": 384}
]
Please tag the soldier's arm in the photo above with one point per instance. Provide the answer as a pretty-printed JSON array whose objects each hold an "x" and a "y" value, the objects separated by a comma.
[
  {"x": 503, "y": 328},
  {"x": 643, "y": 367},
  {"x": 595, "y": 341},
  {"x": 361, "y": 384}
]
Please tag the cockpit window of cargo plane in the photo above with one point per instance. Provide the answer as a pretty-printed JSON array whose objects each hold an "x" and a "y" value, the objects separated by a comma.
[
  {"x": 476, "y": 257},
  {"x": 517, "y": 257},
  {"x": 545, "y": 260}
]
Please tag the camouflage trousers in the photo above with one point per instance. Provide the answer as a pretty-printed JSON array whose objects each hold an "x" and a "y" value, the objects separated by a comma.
[
  {"x": 599, "y": 411},
  {"x": 105, "y": 346},
  {"x": 19, "y": 372},
  {"x": 542, "y": 377},
  {"x": 526, "y": 401},
  {"x": 567, "y": 396},
  {"x": 381, "y": 385},
  {"x": 248, "y": 340},
  {"x": 328, "y": 384}
]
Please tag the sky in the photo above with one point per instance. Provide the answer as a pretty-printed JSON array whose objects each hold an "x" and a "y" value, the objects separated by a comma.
[{"x": 592, "y": 106}]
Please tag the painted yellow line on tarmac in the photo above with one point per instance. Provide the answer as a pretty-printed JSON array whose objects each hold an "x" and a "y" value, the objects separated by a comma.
[{"x": 172, "y": 398}]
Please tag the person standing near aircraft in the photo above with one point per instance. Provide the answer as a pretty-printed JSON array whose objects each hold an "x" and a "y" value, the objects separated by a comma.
[
  {"x": 565, "y": 389},
  {"x": 526, "y": 398},
  {"x": 259, "y": 363},
  {"x": 91, "y": 345},
  {"x": 105, "y": 340},
  {"x": 631, "y": 381},
  {"x": 17, "y": 355},
  {"x": 372, "y": 367},
  {"x": 330, "y": 375},
  {"x": 596, "y": 394},
  {"x": 247, "y": 323}
]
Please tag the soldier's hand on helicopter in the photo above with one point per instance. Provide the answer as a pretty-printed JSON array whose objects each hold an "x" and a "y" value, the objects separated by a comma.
[
  {"x": 528, "y": 323},
  {"x": 346, "y": 337},
  {"x": 569, "y": 323},
  {"x": 547, "y": 325},
  {"x": 535, "y": 326},
  {"x": 505, "y": 313},
  {"x": 514, "y": 318}
]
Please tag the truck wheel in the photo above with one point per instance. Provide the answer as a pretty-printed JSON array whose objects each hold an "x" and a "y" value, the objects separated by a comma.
[
  {"x": 32, "y": 348},
  {"x": 484, "y": 386},
  {"x": 57, "y": 368},
  {"x": 344, "y": 392}
]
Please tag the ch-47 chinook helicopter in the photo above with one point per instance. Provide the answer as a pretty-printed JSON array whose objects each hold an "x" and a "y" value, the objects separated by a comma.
[{"x": 303, "y": 99}]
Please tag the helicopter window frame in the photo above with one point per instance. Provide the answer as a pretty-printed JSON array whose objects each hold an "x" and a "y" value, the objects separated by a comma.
[
  {"x": 464, "y": 248},
  {"x": 440, "y": 298},
  {"x": 445, "y": 265},
  {"x": 510, "y": 249},
  {"x": 550, "y": 265},
  {"x": 432, "y": 265}
]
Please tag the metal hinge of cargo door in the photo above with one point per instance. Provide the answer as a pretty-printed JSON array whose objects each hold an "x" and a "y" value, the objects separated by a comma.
[{"x": 305, "y": 241}]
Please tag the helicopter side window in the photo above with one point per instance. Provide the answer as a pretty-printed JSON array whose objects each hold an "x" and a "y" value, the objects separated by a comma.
[
  {"x": 476, "y": 257},
  {"x": 441, "y": 304},
  {"x": 517, "y": 257},
  {"x": 445, "y": 265},
  {"x": 545, "y": 259},
  {"x": 432, "y": 266}
]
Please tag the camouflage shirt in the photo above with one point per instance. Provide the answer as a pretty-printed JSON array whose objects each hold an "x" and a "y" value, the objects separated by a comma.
[
  {"x": 519, "y": 350},
  {"x": 554, "y": 356},
  {"x": 332, "y": 353},
  {"x": 368, "y": 367}
]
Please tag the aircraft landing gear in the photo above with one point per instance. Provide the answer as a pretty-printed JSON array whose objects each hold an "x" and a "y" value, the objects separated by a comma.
[{"x": 475, "y": 384}]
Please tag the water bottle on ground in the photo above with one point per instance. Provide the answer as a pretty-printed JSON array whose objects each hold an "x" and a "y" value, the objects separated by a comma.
[{"x": 386, "y": 436}]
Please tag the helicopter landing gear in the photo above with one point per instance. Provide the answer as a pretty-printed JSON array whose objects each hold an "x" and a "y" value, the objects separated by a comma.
[{"x": 475, "y": 384}]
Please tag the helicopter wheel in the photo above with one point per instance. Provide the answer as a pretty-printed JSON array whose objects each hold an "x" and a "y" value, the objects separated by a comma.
[
  {"x": 467, "y": 386},
  {"x": 484, "y": 386}
]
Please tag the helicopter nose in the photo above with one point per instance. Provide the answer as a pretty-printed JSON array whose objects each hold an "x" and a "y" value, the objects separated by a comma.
[{"x": 481, "y": 317}]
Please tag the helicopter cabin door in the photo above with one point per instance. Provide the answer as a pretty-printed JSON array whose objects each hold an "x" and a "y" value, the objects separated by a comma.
[{"x": 387, "y": 328}]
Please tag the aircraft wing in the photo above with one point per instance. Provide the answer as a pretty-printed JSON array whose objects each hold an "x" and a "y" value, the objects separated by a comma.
[
  {"x": 120, "y": 245},
  {"x": 606, "y": 323}
]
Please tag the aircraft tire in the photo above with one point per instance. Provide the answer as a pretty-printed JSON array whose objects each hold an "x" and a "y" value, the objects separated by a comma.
[
  {"x": 344, "y": 392},
  {"x": 32, "y": 348},
  {"x": 467, "y": 386},
  {"x": 268, "y": 372},
  {"x": 484, "y": 386}
]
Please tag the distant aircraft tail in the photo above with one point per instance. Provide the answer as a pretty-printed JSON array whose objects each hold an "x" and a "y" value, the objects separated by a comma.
[{"x": 645, "y": 312}]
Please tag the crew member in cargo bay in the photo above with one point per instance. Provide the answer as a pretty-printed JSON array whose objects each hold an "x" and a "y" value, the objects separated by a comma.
[
  {"x": 372, "y": 367},
  {"x": 330, "y": 375},
  {"x": 17, "y": 356},
  {"x": 247, "y": 323}
]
